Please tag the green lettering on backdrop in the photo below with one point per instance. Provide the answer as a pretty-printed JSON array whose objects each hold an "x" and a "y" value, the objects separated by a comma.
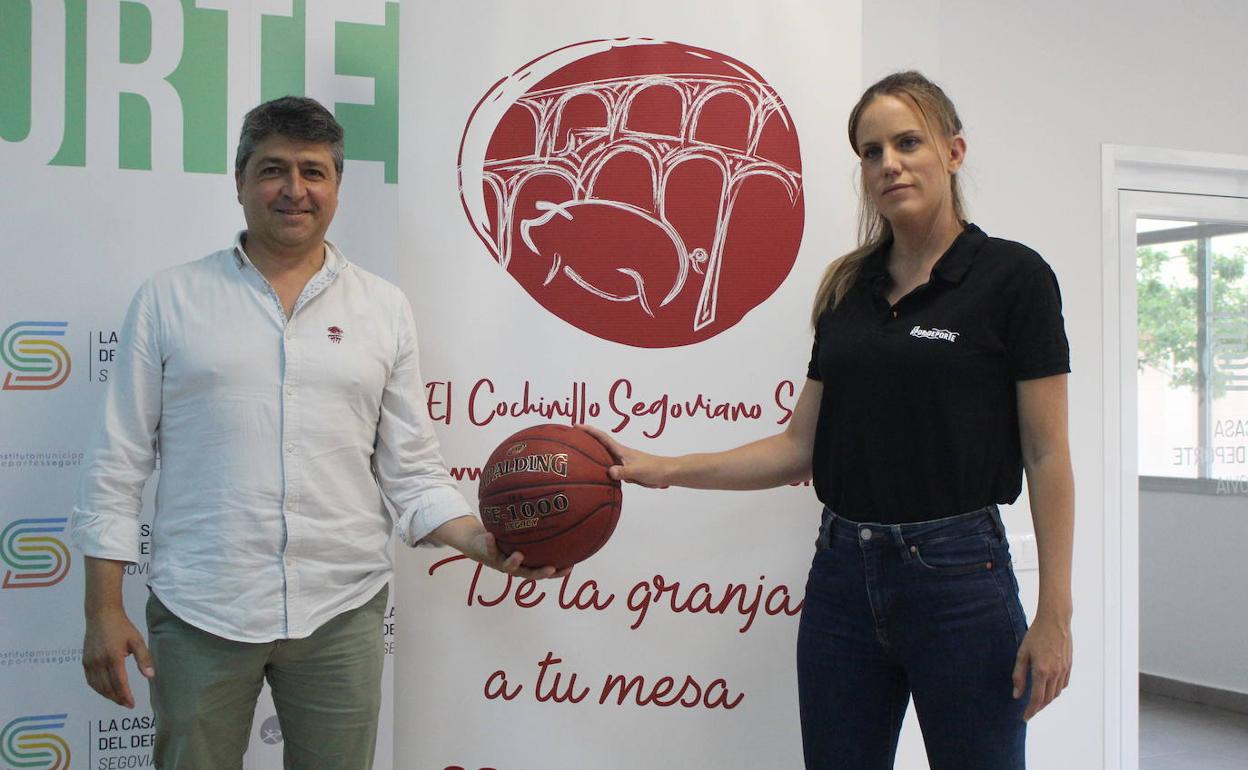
[
  {"x": 16, "y": 48},
  {"x": 372, "y": 129},
  {"x": 200, "y": 81},
  {"x": 134, "y": 136},
  {"x": 15, "y": 69},
  {"x": 73, "y": 150},
  {"x": 282, "y": 54}
]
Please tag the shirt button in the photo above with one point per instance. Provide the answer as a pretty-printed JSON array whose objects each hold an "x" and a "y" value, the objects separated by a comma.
[
  {"x": 290, "y": 447},
  {"x": 865, "y": 533},
  {"x": 290, "y": 391}
]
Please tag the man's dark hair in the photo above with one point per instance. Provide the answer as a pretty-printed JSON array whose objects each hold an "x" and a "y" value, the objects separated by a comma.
[{"x": 294, "y": 117}]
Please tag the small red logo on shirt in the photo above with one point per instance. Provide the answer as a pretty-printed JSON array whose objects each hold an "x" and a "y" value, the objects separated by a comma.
[{"x": 335, "y": 334}]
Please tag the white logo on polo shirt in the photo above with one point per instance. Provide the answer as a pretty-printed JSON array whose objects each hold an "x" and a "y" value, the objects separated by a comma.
[{"x": 934, "y": 334}]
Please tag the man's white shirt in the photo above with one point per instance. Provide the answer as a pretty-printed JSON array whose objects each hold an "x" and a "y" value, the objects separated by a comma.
[{"x": 278, "y": 440}]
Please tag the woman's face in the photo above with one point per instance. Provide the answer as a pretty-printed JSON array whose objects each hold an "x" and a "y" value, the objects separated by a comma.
[{"x": 905, "y": 172}]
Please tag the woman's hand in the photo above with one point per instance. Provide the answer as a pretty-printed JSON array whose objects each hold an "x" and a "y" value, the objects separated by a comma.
[
  {"x": 1046, "y": 652},
  {"x": 634, "y": 467}
]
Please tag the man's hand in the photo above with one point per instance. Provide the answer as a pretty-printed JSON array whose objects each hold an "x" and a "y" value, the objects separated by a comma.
[
  {"x": 109, "y": 639},
  {"x": 468, "y": 535},
  {"x": 483, "y": 549},
  {"x": 1046, "y": 652}
]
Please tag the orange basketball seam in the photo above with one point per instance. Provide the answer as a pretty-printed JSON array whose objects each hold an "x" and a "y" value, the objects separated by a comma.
[
  {"x": 561, "y": 442},
  {"x": 609, "y": 484}
]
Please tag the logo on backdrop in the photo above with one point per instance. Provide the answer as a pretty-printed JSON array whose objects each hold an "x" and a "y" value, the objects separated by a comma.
[
  {"x": 34, "y": 358},
  {"x": 646, "y": 192},
  {"x": 35, "y": 559},
  {"x": 101, "y": 352},
  {"x": 271, "y": 731},
  {"x": 34, "y": 743}
]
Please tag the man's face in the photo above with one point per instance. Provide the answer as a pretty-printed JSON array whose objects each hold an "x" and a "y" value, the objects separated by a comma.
[{"x": 289, "y": 192}]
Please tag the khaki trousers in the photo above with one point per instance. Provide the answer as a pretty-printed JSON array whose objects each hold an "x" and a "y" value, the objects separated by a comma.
[{"x": 326, "y": 687}]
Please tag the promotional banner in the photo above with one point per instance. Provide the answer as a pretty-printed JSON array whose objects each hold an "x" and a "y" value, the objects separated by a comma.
[
  {"x": 118, "y": 125},
  {"x": 621, "y": 218}
]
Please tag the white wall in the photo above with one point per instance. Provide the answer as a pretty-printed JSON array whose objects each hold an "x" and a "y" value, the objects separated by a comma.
[
  {"x": 1040, "y": 86},
  {"x": 1193, "y": 607}
]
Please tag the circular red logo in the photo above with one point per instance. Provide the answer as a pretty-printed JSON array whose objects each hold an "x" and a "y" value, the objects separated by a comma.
[{"x": 648, "y": 193}]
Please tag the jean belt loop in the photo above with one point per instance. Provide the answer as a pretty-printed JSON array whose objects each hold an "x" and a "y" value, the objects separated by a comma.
[{"x": 995, "y": 512}]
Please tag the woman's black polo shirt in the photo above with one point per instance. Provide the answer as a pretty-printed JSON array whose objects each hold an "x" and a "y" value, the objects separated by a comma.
[{"x": 919, "y": 414}]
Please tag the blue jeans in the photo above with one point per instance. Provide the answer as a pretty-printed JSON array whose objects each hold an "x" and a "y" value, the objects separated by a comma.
[{"x": 928, "y": 609}]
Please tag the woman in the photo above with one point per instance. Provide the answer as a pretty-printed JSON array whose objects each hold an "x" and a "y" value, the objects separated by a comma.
[{"x": 938, "y": 375}]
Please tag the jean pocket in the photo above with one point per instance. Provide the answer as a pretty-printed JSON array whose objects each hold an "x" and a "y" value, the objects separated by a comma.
[{"x": 955, "y": 555}]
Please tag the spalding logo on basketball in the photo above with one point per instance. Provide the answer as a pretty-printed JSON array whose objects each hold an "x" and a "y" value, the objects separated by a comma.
[
  {"x": 545, "y": 492},
  {"x": 648, "y": 193}
]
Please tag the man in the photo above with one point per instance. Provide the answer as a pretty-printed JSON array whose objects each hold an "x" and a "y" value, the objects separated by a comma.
[{"x": 280, "y": 384}]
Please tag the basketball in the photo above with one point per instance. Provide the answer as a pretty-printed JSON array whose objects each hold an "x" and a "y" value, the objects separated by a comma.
[{"x": 545, "y": 492}]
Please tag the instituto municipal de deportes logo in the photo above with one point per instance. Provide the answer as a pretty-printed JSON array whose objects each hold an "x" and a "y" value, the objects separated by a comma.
[
  {"x": 271, "y": 731},
  {"x": 34, "y": 357},
  {"x": 33, "y": 743},
  {"x": 35, "y": 559}
]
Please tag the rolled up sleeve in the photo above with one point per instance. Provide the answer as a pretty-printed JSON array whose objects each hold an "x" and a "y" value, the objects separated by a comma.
[
  {"x": 407, "y": 461},
  {"x": 122, "y": 452}
]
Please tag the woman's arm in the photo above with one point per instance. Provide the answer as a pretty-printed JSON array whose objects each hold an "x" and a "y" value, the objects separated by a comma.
[
  {"x": 1047, "y": 648},
  {"x": 769, "y": 462}
]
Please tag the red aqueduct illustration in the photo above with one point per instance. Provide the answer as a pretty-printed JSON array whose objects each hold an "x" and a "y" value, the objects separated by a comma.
[{"x": 645, "y": 192}]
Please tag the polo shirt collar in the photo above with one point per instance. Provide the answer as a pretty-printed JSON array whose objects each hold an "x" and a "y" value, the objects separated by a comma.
[
  {"x": 874, "y": 267},
  {"x": 951, "y": 267},
  {"x": 334, "y": 261},
  {"x": 961, "y": 254}
]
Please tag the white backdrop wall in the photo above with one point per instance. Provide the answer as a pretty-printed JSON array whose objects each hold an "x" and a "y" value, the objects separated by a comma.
[{"x": 118, "y": 122}]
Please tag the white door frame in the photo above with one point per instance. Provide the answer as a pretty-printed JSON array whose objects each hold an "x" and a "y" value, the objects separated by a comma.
[{"x": 1125, "y": 170}]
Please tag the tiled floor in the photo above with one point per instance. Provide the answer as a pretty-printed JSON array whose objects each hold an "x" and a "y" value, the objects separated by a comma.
[{"x": 1177, "y": 735}]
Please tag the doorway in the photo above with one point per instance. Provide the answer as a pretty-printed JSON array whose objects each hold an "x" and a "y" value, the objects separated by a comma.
[{"x": 1176, "y": 388}]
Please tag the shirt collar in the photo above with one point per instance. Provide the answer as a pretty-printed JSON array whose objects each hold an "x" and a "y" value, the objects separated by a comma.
[
  {"x": 334, "y": 261},
  {"x": 874, "y": 266},
  {"x": 961, "y": 254},
  {"x": 951, "y": 267}
]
